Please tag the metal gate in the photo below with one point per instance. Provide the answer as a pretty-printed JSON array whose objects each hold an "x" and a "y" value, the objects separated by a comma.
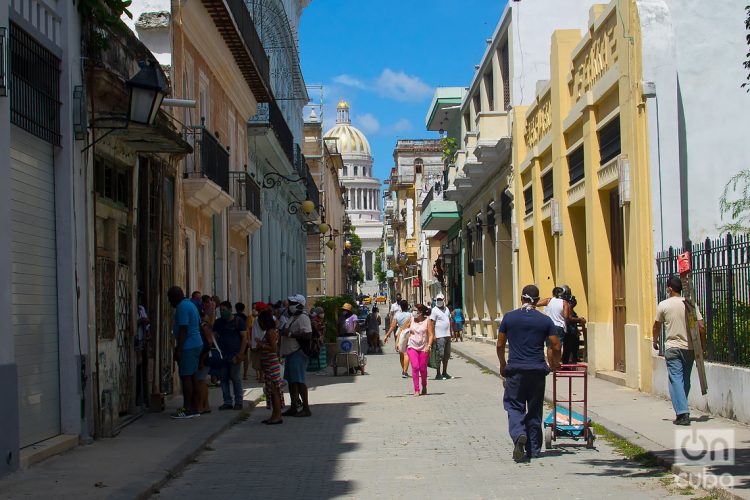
[{"x": 617, "y": 249}]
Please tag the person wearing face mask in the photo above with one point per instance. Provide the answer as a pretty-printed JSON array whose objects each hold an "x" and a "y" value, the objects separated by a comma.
[
  {"x": 297, "y": 328},
  {"x": 441, "y": 329},
  {"x": 418, "y": 347},
  {"x": 231, "y": 336}
]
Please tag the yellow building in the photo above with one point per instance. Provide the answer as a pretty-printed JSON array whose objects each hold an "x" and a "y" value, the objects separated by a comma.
[{"x": 582, "y": 191}]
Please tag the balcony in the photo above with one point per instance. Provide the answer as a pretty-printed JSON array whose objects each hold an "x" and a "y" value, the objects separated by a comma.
[
  {"x": 438, "y": 214},
  {"x": 269, "y": 123},
  {"x": 312, "y": 189},
  {"x": 244, "y": 214},
  {"x": 233, "y": 21},
  {"x": 493, "y": 138},
  {"x": 404, "y": 178},
  {"x": 206, "y": 184}
]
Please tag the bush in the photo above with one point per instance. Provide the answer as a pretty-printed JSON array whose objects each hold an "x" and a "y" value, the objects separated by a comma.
[{"x": 332, "y": 306}]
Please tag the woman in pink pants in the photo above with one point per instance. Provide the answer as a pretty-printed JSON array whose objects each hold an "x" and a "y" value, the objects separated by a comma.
[{"x": 418, "y": 347}]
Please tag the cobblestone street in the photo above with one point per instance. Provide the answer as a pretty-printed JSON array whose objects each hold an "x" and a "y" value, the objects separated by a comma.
[{"x": 370, "y": 438}]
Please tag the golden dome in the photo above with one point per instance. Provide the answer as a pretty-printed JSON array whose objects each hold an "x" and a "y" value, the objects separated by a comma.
[
  {"x": 343, "y": 104},
  {"x": 351, "y": 139}
]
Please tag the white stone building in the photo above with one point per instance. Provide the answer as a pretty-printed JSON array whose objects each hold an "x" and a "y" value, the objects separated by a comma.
[{"x": 362, "y": 191}]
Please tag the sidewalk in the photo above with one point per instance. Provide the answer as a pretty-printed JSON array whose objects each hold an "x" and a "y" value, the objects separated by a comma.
[
  {"x": 646, "y": 421},
  {"x": 133, "y": 464}
]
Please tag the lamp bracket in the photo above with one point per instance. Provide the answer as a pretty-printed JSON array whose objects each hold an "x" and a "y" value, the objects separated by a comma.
[{"x": 274, "y": 179}]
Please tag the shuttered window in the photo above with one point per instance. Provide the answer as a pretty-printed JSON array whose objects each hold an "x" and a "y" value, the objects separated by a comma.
[
  {"x": 547, "y": 186},
  {"x": 576, "y": 165},
  {"x": 528, "y": 200},
  {"x": 609, "y": 141}
]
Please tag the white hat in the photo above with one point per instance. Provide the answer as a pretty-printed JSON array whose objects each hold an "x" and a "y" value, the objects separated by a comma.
[
  {"x": 440, "y": 296},
  {"x": 299, "y": 299}
]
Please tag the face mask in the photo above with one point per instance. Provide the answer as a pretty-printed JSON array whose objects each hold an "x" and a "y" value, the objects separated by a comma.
[
  {"x": 226, "y": 315},
  {"x": 440, "y": 303},
  {"x": 414, "y": 314}
]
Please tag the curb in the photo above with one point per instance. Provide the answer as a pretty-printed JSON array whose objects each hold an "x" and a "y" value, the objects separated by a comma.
[
  {"x": 172, "y": 471},
  {"x": 653, "y": 449}
]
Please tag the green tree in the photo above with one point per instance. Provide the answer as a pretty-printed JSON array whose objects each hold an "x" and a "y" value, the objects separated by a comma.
[
  {"x": 380, "y": 274},
  {"x": 356, "y": 275},
  {"x": 738, "y": 208},
  {"x": 450, "y": 148}
]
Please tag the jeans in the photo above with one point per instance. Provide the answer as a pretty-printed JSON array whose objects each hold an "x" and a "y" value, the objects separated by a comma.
[
  {"x": 679, "y": 366},
  {"x": 418, "y": 360},
  {"x": 524, "y": 402},
  {"x": 232, "y": 372}
]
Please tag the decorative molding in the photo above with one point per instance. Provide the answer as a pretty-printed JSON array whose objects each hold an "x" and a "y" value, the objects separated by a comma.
[
  {"x": 576, "y": 192},
  {"x": 609, "y": 173},
  {"x": 539, "y": 122}
]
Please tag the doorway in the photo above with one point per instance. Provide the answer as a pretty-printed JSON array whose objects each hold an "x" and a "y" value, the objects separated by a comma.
[{"x": 617, "y": 250}]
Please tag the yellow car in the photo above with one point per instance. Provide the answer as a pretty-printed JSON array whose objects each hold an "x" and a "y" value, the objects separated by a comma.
[{"x": 367, "y": 301}]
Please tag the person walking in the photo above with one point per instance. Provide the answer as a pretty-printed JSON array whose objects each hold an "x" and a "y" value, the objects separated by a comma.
[
  {"x": 441, "y": 328},
  {"x": 527, "y": 330},
  {"x": 372, "y": 327},
  {"x": 269, "y": 359},
  {"x": 418, "y": 347},
  {"x": 231, "y": 336},
  {"x": 392, "y": 311},
  {"x": 679, "y": 351},
  {"x": 297, "y": 328},
  {"x": 554, "y": 308},
  {"x": 400, "y": 322},
  {"x": 458, "y": 323},
  {"x": 187, "y": 350}
]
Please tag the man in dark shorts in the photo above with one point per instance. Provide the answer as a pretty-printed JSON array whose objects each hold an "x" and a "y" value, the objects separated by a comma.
[
  {"x": 187, "y": 351},
  {"x": 527, "y": 330}
]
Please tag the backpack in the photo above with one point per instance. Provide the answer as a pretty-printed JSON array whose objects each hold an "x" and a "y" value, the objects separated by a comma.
[{"x": 311, "y": 346}]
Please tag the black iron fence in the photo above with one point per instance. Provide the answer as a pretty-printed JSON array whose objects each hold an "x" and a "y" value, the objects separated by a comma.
[
  {"x": 270, "y": 114},
  {"x": 721, "y": 280},
  {"x": 246, "y": 193},
  {"x": 210, "y": 159}
]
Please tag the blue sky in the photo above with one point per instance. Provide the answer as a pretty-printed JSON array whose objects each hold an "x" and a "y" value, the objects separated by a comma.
[{"x": 386, "y": 58}]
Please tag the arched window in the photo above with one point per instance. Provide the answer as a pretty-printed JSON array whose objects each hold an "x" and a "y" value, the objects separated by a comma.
[
  {"x": 418, "y": 164},
  {"x": 346, "y": 170}
]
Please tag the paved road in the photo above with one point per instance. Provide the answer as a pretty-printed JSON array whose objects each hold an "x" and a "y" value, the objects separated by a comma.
[{"x": 370, "y": 438}]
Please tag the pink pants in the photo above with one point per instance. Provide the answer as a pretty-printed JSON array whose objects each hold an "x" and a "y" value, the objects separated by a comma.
[{"x": 418, "y": 360}]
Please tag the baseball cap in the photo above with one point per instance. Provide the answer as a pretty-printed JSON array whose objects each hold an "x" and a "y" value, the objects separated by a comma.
[
  {"x": 530, "y": 292},
  {"x": 297, "y": 299},
  {"x": 260, "y": 306},
  {"x": 440, "y": 296}
]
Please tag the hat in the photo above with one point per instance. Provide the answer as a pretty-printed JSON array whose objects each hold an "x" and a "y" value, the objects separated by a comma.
[
  {"x": 260, "y": 306},
  {"x": 440, "y": 296},
  {"x": 297, "y": 299},
  {"x": 530, "y": 292},
  {"x": 347, "y": 307},
  {"x": 317, "y": 311}
]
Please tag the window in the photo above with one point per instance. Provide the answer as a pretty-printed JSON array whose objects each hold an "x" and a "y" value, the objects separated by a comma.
[
  {"x": 346, "y": 171},
  {"x": 477, "y": 103},
  {"x": 355, "y": 170},
  {"x": 233, "y": 157},
  {"x": 609, "y": 141},
  {"x": 489, "y": 85},
  {"x": 205, "y": 100},
  {"x": 112, "y": 182},
  {"x": 576, "y": 165},
  {"x": 547, "y": 186},
  {"x": 467, "y": 122},
  {"x": 528, "y": 200},
  {"x": 418, "y": 164},
  {"x": 34, "y": 87},
  {"x": 188, "y": 91}
]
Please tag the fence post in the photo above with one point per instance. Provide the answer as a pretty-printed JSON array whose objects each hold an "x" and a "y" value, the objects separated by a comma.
[
  {"x": 730, "y": 301},
  {"x": 709, "y": 305}
]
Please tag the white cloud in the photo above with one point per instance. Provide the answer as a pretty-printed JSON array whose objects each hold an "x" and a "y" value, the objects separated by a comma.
[
  {"x": 403, "y": 125},
  {"x": 395, "y": 85},
  {"x": 402, "y": 87},
  {"x": 368, "y": 123}
]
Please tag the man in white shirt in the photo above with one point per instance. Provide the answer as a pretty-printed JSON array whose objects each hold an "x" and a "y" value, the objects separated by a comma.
[
  {"x": 393, "y": 311},
  {"x": 678, "y": 348},
  {"x": 441, "y": 328}
]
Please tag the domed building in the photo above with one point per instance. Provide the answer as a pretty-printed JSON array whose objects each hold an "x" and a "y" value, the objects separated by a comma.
[{"x": 362, "y": 191}]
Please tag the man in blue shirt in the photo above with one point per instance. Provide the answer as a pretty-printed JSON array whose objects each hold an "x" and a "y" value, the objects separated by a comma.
[
  {"x": 527, "y": 330},
  {"x": 231, "y": 335},
  {"x": 187, "y": 351}
]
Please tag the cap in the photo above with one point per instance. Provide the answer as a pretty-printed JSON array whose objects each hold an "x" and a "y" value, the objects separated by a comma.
[
  {"x": 260, "y": 306},
  {"x": 317, "y": 311},
  {"x": 347, "y": 307},
  {"x": 530, "y": 292},
  {"x": 297, "y": 299},
  {"x": 440, "y": 296}
]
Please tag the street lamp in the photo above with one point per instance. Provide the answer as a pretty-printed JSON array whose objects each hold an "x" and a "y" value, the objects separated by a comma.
[{"x": 147, "y": 90}]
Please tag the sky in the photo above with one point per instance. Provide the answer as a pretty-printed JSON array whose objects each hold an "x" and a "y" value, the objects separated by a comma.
[{"x": 387, "y": 57}]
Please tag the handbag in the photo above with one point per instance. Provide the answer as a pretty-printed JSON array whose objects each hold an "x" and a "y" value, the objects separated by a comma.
[
  {"x": 215, "y": 359},
  {"x": 433, "y": 360},
  {"x": 403, "y": 339}
]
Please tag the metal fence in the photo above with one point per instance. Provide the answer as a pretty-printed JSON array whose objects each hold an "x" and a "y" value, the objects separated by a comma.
[{"x": 721, "y": 280}]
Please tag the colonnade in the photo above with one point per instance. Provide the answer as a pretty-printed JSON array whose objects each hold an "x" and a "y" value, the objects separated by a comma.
[{"x": 363, "y": 199}]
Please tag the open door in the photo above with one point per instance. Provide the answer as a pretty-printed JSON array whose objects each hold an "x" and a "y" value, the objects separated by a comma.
[{"x": 617, "y": 248}]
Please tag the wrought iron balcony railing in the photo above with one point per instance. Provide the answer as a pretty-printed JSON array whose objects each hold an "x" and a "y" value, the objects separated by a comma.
[
  {"x": 269, "y": 115},
  {"x": 300, "y": 163},
  {"x": 246, "y": 193},
  {"x": 312, "y": 189},
  {"x": 209, "y": 159}
]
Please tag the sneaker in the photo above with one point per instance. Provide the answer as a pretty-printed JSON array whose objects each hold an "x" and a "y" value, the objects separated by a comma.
[
  {"x": 446, "y": 376},
  {"x": 182, "y": 413},
  {"x": 438, "y": 377},
  {"x": 404, "y": 375},
  {"x": 225, "y": 406},
  {"x": 683, "y": 419},
  {"x": 519, "y": 449}
]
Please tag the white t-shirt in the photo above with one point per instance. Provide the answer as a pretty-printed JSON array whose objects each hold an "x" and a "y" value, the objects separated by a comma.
[
  {"x": 442, "y": 320},
  {"x": 395, "y": 308},
  {"x": 297, "y": 324},
  {"x": 554, "y": 309},
  {"x": 671, "y": 312}
]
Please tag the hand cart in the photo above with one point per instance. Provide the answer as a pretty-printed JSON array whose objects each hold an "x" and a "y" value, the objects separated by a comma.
[
  {"x": 351, "y": 354},
  {"x": 563, "y": 421}
]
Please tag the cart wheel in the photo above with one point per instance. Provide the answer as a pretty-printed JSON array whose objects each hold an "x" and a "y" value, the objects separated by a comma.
[
  {"x": 548, "y": 438},
  {"x": 590, "y": 438}
]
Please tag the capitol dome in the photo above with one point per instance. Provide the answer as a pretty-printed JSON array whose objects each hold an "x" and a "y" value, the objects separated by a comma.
[{"x": 351, "y": 139}]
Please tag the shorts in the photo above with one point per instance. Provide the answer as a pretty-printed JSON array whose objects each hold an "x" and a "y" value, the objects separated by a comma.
[
  {"x": 443, "y": 348},
  {"x": 560, "y": 335},
  {"x": 203, "y": 374},
  {"x": 189, "y": 359},
  {"x": 458, "y": 326},
  {"x": 295, "y": 366}
]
